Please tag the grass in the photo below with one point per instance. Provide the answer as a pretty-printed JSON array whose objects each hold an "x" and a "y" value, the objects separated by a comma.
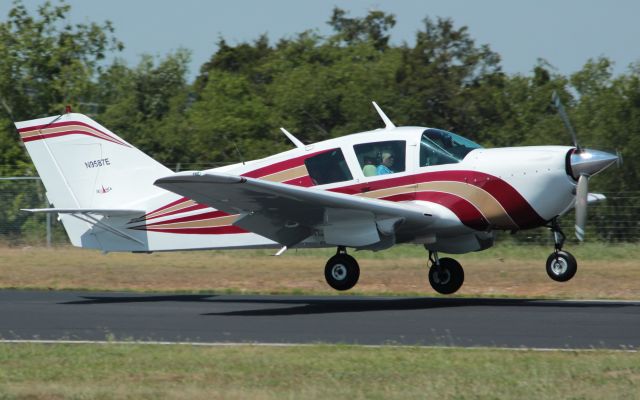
[
  {"x": 605, "y": 271},
  {"x": 37, "y": 371}
]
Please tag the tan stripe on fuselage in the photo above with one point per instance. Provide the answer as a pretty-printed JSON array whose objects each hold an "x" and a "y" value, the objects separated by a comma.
[
  {"x": 287, "y": 175},
  {"x": 482, "y": 200},
  {"x": 376, "y": 194},
  {"x": 206, "y": 223},
  {"x": 180, "y": 206}
]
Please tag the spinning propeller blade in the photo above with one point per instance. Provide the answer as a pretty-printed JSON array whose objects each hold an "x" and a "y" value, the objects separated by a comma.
[
  {"x": 582, "y": 192},
  {"x": 565, "y": 118}
]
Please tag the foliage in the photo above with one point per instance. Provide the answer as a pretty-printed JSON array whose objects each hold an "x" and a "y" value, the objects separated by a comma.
[{"x": 316, "y": 86}]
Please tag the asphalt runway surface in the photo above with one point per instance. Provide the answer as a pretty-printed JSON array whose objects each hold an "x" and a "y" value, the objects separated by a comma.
[{"x": 52, "y": 315}]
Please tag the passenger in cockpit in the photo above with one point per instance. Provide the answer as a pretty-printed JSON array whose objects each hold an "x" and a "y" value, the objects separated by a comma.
[
  {"x": 369, "y": 168},
  {"x": 387, "y": 163}
]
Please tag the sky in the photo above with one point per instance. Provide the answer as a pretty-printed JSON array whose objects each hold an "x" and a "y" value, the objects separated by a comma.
[{"x": 566, "y": 33}]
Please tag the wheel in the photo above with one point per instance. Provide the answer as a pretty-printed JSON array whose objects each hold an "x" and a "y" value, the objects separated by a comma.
[
  {"x": 561, "y": 266},
  {"x": 342, "y": 272},
  {"x": 448, "y": 277}
]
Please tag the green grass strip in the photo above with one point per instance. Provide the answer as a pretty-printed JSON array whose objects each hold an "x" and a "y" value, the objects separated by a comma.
[{"x": 135, "y": 371}]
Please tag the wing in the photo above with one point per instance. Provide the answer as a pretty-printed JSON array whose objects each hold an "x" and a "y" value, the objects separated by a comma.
[{"x": 289, "y": 214}]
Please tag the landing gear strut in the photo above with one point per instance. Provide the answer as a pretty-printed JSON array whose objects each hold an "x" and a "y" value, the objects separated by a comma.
[
  {"x": 445, "y": 274},
  {"x": 342, "y": 270},
  {"x": 561, "y": 265}
]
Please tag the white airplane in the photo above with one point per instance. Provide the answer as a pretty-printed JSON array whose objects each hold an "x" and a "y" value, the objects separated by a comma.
[{"x": 367, "y": 191}]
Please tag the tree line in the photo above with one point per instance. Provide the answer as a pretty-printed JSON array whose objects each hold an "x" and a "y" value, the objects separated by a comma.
[{"x": 317, "y": 86}]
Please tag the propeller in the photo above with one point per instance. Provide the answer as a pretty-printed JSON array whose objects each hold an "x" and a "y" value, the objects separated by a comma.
[
  {"x": 565, "y": 119},
  {"x": 582, "y": 192},
  {"x": 584, "y": 163}
]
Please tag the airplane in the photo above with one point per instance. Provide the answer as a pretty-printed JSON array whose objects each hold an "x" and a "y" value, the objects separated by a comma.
[{"x": 364, "y": 191}]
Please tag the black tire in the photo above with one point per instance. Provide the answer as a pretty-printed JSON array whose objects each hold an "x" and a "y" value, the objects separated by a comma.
[
  {"x": 561, "y": 266},
  {"x": 342, "y": 272},
  {"x": 447, "y": 278}
]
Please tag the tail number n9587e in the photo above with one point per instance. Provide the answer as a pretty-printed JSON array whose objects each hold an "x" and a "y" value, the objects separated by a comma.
[{"x": 102, "y": 162}]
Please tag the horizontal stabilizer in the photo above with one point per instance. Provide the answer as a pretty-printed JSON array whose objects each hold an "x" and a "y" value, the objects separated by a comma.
[{"x": 107, "y": 212}]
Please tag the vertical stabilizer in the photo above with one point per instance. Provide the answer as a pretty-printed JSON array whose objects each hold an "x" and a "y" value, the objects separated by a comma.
[{"x": 84, "y": 165}]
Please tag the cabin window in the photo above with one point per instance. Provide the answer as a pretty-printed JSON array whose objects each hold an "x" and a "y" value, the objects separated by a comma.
[
  {"x": 328, "y": 167},
  {"x": 441, "y": 147},
  {"x": 381, "y": 158}
]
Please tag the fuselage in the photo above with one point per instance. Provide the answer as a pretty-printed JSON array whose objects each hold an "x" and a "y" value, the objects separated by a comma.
[{"x": 474, "y": 192}]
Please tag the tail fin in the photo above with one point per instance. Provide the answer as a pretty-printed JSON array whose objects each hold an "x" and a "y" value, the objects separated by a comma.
[{"x": 83, "y": 165}]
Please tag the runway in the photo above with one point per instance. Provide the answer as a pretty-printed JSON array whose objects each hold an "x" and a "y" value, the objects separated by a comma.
[{"x": 515, "y": 323}]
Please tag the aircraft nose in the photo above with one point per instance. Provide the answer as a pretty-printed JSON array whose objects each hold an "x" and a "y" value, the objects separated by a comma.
[{"x": 589, "y": 162}]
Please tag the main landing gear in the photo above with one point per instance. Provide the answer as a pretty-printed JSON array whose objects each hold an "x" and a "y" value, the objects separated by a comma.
[
  {"x": 342, "y": 271},
  {"x": 445, "y": 274},
  {"x": 561, "y": 265}
]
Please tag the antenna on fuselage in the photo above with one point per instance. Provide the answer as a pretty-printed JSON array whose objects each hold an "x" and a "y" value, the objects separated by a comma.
[
  {"x": 293, "y": 139},
  {"x": 387, "y": 122}
]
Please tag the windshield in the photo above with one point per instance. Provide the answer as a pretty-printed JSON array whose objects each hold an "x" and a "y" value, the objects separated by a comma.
[{"x": 442, "y": 147}]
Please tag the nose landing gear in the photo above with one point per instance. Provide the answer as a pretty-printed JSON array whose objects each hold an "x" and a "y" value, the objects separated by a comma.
[
  {"x": 342, "y": 271},
  {"x": 446, "y": 275},
  {"x": 561, "y": 265}
]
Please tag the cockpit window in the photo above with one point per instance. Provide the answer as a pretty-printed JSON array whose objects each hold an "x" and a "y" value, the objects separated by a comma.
[
  {"x": 442, "y": 147},
  {"x": 328, "y": 167},
  {"x": 381, "y": 158}
]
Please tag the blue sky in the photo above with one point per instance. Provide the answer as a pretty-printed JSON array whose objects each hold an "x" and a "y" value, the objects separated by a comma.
[{"x": 564, "y": 32}]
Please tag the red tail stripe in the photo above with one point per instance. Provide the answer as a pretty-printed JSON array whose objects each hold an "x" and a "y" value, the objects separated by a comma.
[
  {"x": 58, "y": 134},
  {"x": 66, "y": 123},
  {"x": 59, "y": 124}
]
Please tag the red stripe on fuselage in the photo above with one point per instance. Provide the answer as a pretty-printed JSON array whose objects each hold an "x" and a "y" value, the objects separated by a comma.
[
  {"x": 214, "y": 230},
  {"x": 304, "y": 181},
  {"x": 197, "y": 217},
  {"x": 281, "y": 165},
  {"x": 466, "y": 212},
  {"x": 173, "y": 203},
  {"x": 511, "y": 200},
  {"x": 194, "y": 207}
]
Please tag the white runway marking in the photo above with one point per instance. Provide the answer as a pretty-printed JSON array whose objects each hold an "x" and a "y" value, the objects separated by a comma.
[{"x": 259, "y": 344}]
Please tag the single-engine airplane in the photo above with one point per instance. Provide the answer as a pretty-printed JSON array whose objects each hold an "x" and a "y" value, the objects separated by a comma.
[{"x": 366, "y": 191}]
